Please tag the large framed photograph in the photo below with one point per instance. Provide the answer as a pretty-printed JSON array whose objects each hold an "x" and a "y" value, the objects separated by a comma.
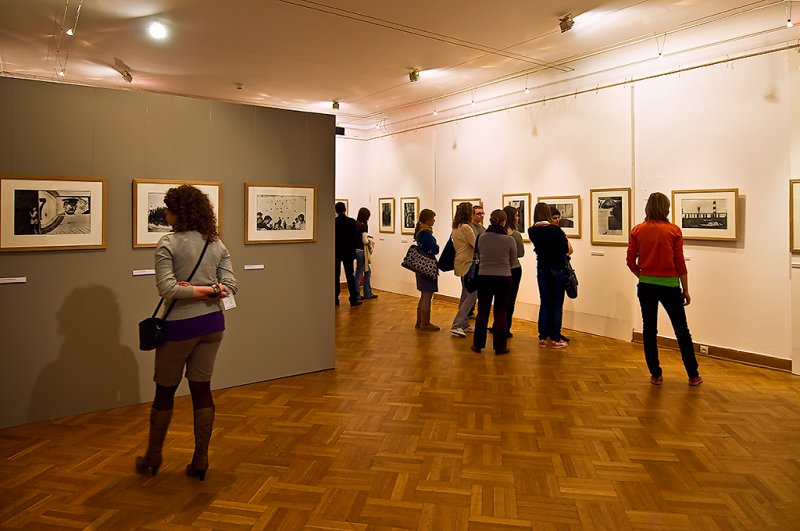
[
  {"x": 346, "y": 205},
  {"x": 150, "y": 212},
  {"x": 569, "y": 206},
  {"x": 522, "y": 202},
  {"x": 55, "y": 213},
  {"x": 276, "y": 213},
  {"x": 794, "y": 214},
  {"x": 611, "y": 215},
  {"x": 409, "y": 214},
  {"x": 707, "y": 214},
  {"x": 386, "y": 214},
  {"x": 476, "y": 201}
]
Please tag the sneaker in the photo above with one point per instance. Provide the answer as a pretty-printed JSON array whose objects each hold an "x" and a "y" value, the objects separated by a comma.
[
  {"x": 458, "y": 332},
  {"x": 542, "y": 343},
  {"x": 696, "y": 380},
  {"x": 470, "y": 329},
  {"x": 560, "y": 344},
  {"x": 656, "y": 380}
]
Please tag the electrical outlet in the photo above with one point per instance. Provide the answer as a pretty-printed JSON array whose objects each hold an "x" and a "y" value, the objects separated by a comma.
[{"x": 704, "y": 349}]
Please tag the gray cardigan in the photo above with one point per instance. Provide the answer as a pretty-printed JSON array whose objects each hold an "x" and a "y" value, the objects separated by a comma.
[
  {"x": 497, "y": 253},
  {"x": 176, "y": 256}
]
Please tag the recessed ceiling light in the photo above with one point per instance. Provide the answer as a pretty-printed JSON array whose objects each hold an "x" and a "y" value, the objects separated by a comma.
[{"x": 157, "y": 30}]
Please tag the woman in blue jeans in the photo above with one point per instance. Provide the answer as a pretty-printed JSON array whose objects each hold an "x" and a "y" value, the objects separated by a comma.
[
  {"x": 552, "y": 248},
  {"x": 362, "y": 235}
]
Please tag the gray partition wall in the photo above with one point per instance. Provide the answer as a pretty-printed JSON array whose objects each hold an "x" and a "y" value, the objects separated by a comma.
[{"x": 69, "y": 334}]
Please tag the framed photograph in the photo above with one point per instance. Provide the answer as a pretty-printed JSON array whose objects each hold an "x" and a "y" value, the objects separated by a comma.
[
  {"x": 346, "y": 206},
  {"x": 522, "y": 202},
  {"x": 611, "y": 215},
  {"x": 276, "y": 213},
  {"x": 386, "y": 214},
  {"x": 409, "y": 214},
  {"x": 707, "y": 214},
  {"x": 455, "y": 202},
  {"x": 149, "y": 210},
  {"x": 55, "y": 213},
  {"x": 794, "y": 214},
  {"x": 570, "y": 208}
]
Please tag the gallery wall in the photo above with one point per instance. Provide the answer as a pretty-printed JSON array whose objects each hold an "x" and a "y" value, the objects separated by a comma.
[
  {"x": 69, "y": 333},
  {"x": 723, "y": 126}
]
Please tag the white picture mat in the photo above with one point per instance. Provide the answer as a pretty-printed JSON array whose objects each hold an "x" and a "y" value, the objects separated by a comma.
[
  {"x": 253, "y": 235},
  {"x": 795, "y": 215},
  {"x": 730, "y": 198},
  {"x": 599, "y": 234},
  {"x": 8, "y": 240},
  {"x": 142, "y": 192}
]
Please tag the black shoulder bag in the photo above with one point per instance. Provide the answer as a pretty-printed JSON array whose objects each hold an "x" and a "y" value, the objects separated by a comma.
[
  {"x": 151, "y": 330},
  {"x": 471, "y": 278}
]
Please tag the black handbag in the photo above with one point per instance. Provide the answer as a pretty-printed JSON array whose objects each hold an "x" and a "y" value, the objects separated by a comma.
[
  {"x": 151, "y": 330},
  {"x": 447, "y": 260},
  {"x": 570, "y": 280},
  {"x": 419, "y": 262},
  {"x": 471, "y": 278}
]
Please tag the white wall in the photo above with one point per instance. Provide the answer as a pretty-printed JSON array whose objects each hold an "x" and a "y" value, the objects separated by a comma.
[{"x": 722, "y": 126}]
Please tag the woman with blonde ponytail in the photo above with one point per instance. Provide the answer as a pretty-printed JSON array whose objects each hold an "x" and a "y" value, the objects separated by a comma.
[{"x": 423, "y": 235}]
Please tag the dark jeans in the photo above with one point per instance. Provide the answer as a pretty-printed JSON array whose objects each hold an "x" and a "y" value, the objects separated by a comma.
[
  {"x": 499, "y": 288},
  {"x": 672, "y": 300},
  {"x": 516, "y": 278},
  {"x": 349, "y": 274},
  {"x": 551, "y": 305}
]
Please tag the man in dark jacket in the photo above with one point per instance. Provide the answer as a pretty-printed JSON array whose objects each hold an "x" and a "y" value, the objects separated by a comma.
[{"x": 346, "y": 253}]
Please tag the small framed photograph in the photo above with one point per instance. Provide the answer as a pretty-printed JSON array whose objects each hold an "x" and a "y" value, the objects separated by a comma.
[
  {"x": 386, "y": 214},
  {"x": 346, "y": 205},
  {"x": 476, "y": 201},
  {"x": 276, "y": 213},
  {"x": 610, "y": 215},
  {"x": 522, "y": 202},
  {"x": 794, "y": 215},
  {"x": 150, "y": 212},
  {"x": 409, "y": 214},
  {"x": 707, "y": 214},
  {"x": 55, "y": 213},
  {"x": 569, "y": 206}
]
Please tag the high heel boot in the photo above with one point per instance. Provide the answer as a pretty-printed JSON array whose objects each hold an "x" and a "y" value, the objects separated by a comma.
[
  {"x": 159, "y": 423},
  {"x": 426, "y": 325},
  {"x": 203, "y": 426}
]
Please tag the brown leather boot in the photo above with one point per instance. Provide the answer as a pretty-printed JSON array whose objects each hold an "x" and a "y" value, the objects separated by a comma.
[
  {"x": 425, "y": 324},
  {"x": 419, "y": 317},
  {"x": 159, "y": 423},
  {"x": 203, "y": 426}
]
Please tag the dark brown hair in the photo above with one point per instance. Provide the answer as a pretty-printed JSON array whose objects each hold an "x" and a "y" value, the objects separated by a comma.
[
  {"x": 363, "y": 216},
  {"x": 511, "y": 215},
  {"x": 498, "y": 217},
  {"x": 192, "y": 210},
  {"x": 657, "y": 208},
  {"x": 463, "y": 214},
  {"x": 425, "y": 216},
  {"x": 541, "y": 212}
]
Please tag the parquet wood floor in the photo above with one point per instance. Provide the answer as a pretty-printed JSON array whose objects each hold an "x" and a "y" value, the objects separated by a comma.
[{"x": 415, "y": 431}]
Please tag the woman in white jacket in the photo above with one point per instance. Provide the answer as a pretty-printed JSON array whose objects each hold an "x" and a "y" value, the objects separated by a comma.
[{"x": 464, "y": 243}]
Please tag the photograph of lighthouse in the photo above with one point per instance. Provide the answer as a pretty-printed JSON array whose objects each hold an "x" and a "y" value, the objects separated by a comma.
[{"x": 706, "y": 214}]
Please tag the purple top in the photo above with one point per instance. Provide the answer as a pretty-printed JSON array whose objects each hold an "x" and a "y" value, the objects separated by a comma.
[{"x": 192, "y": 327}]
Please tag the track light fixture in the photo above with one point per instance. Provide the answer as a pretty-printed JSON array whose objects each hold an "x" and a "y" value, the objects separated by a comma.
[
  {"x": 123, "y": 69},
  {"x": 413, "y": 75},
  {"x": 71, "y": 30},
  {"x": 566, "y": 22},
  {"x": 335, "y": 105}
]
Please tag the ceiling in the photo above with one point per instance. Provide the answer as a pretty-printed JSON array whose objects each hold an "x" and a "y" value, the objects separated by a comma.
[{"x": 301, "y": 54}]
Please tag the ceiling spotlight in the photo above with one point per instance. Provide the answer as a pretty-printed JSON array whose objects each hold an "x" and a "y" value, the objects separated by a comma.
[
  {"x": 413, "y": 75},
  {"x": 61, "y": 72},
  {"x": 789, "y": 23},
  {"x": 126, "y": 76},
  {"x": 335, "y": 105},
  {"x": 71, "y": 32},
  {"x": 566, "y": 22},
  {"x": 157, "y": 30}
]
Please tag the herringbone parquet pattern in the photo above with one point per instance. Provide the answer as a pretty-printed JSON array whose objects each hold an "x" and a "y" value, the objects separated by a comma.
[{"x": 414, "y": 431}]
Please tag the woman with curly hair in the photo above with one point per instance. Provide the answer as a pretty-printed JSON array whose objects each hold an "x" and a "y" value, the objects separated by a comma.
[{"x": 194, "y": 325}]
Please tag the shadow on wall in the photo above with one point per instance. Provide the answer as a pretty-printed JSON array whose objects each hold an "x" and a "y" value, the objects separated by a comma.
[{"x": 93, "y": 370}]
